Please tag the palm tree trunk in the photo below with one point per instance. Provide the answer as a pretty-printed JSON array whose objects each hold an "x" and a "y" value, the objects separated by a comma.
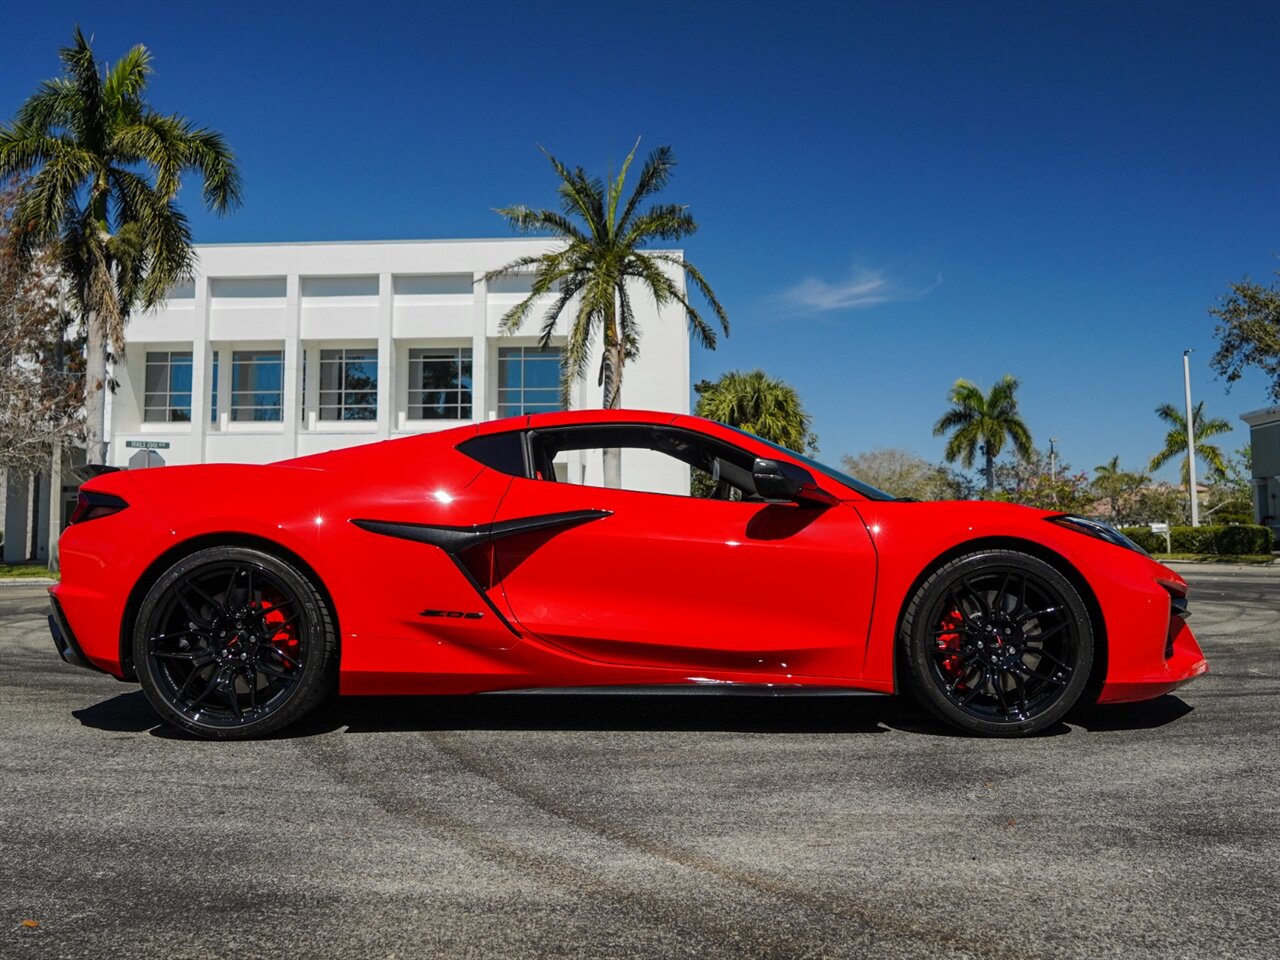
[
  {"x": 95, "y": 393},
  {"x": 613, "y": 360},
  {"x": 989, "y": 469}
]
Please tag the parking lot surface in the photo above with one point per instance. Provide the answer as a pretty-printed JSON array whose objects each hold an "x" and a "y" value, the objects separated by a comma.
[{"x": 647, "y": 826}]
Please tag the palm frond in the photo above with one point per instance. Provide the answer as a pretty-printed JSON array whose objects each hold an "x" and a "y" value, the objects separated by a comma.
[
  {"x": 667, "y": 222},
  {"x": 128, "y": 78},
  {"x": 653, "y": 178},
  {"x": 615, "y": 189},
  {"x": 89, "y": 121},
  {"x": 54, "y": 105}
]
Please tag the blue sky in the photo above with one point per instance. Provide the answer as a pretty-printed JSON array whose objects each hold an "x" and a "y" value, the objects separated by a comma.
[{"x": 892, "y": 195}]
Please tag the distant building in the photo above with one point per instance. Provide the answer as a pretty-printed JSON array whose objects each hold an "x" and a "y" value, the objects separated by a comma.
[
  {"x": 1264, "y": 442},
  {"x": 287, "y": 349}
]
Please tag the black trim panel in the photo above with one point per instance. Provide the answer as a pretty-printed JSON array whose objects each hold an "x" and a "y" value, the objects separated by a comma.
[
  {"x": 692, "y": 689},
  {"x": 455, "y": 541},
  {"x": 64, "y": 640}
]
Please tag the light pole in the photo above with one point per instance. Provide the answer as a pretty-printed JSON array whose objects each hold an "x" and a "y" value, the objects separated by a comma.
[
  {"x": 1053, "y": 469},
  {"x": 1191, "y": 439}
]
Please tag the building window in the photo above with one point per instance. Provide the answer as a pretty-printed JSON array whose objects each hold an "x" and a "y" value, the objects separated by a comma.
[
  {"x": 349, "y": 384},
  {"x": 256, "y": 380},
  {"x": 167, "y": 397},
  {"x": 528, "y": 380},
  {"x": 440, "y": 383},
  {"x": 213, "y": 393}
]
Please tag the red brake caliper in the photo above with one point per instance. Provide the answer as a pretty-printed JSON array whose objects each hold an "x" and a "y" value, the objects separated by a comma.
[
  {"x": 950, "y": 642},
  {"x": 286, "y": 639}
]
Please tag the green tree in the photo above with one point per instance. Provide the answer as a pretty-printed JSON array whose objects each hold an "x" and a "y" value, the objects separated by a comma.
[
  {"x": 105, "y": 169},
  {"x": 601, "y": 266},
  {"x": 1033, "y": 481},
  {"x": 903, "y": 474},
  {"x": 760, "y": 404},
  {"x": 1248, "y": 333},
  {"x": 41, "y": 391},
  {"x": 980, "y": 423},
  {"x": 1230, "y": 498},
  {"x": 1118, "y": 487},
  {"x": 1175, "y": 441},
  {"x": 1163, "y": 503}
]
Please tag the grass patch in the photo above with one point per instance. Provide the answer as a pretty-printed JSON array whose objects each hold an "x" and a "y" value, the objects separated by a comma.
[
  {"x": 1258, "y": 559},
  {"x": 24, "y": 571}
]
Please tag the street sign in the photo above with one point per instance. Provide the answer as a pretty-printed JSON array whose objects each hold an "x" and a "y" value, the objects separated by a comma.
[
  {"x": 148, "y": 444},
  {"x": 1163, "y": 528}
]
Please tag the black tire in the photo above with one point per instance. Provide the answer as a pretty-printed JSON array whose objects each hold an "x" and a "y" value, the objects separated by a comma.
[
  {"x": 233, "y": 643},
  {"x": 997, "y": 643}
]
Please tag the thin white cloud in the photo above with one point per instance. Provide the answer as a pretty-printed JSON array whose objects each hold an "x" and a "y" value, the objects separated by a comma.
[{"x": 861, "y": 290}]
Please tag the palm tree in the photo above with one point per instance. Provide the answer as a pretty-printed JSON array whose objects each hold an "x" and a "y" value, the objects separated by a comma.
[
  {"x": 760, "y": 404},
  {"x": 105, "y": 171},
  {"x": 599, "y": 268},
  {"x": 1175, "y": 441},
  {"x": 980, "y": 422},
  {"x": 1116, "y": 485}
]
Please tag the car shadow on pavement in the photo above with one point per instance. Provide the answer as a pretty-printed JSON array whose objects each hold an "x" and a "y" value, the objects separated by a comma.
[
  {"x": 130, "y": 713},
  {"x": 1146, "y": 715}
]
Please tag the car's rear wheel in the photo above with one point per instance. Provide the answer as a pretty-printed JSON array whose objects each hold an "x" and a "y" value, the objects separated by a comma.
[
  {"x": 997, "y": 642},
  {"x": 233, "y": 643}
]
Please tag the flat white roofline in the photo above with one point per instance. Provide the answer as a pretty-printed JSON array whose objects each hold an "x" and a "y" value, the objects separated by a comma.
[
  {"x": 355, "y": 243},
  {"x": 1257, "y": 418}
]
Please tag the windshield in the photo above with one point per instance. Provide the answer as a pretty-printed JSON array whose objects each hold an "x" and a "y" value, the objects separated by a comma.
[{"x": 863, "y": 488}]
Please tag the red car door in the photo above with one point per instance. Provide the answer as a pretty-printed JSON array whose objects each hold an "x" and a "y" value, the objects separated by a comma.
[{"x": 707, "y": 585}]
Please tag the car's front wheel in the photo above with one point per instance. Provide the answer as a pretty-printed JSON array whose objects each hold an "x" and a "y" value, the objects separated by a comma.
[
  {"x": 232, "y": 643},
  {"x": 997, "y": 642}
]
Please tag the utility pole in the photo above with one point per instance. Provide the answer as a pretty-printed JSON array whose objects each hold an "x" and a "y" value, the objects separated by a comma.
[
  {"x": 1053, "y": 469},
  {"x": 1191, "y": 440}
]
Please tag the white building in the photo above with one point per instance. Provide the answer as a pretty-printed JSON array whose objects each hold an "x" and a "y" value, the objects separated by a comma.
[
  {"x": 1264, "y": 442},
  {"x": 282, "y": 350}
]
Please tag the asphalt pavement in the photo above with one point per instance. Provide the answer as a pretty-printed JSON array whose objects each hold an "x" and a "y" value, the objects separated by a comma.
[{"x": 647, "y": 826}]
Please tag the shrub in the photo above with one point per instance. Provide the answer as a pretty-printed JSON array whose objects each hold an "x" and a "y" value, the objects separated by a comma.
[{"x": 1224, "y": 540}]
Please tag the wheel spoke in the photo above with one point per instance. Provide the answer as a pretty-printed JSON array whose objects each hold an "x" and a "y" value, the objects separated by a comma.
[
  {"x": 277, "y": 627},
  {"x": 1036, "y": 614},
  {"x": 1021, "y": 687},
  {"x": 192, "y": 615},
  {"x": 231, "y": 585},
  {"x": 1046, "y": 653},
  {"x": 984, "y": 608},
  {"x": 186, "y": 684},
  {"x": 1046, "y": 634},
  {"x": 204, "y": 595},
  {"x": 271, "y": 671},
  {"x": 233, "y": 698},
  {"x": 198, "y": 657},
  {"x": 251, "y": 677},
  {"x": 209, "y": 688},
  {"x": 974, "y": 688},
  {"x": 1032, "y": 675},
  {"x": 997, "y": 683},
  {"x": 1000, "y": 593}
]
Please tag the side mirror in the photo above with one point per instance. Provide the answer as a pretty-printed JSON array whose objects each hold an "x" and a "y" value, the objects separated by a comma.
[{"x": 779, "y": 480}]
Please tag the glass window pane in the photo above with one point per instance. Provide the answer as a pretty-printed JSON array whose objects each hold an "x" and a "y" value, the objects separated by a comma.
[
  {"x": 157, "y": 372},
  {"x": 180, "y": 372}
]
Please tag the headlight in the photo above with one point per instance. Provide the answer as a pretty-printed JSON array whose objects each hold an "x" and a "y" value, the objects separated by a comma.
[{"x": 1098, "y": 530}]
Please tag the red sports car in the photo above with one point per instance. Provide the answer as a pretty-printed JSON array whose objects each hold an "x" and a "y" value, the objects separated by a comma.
[{"x": 462, "y": 561}]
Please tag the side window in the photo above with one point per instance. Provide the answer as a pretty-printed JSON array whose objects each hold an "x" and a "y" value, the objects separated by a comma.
[
  {"x": 503, "y": 452},
  {"x": 654, "y": 459}
]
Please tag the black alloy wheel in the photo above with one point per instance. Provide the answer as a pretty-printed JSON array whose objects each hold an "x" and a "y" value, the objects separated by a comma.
[
  {"x": 233, "y": 643},
  {"x": 998, "y": 642}
]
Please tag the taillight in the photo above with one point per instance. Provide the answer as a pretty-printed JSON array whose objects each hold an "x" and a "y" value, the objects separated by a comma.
[{"x": 92, "y": 506}]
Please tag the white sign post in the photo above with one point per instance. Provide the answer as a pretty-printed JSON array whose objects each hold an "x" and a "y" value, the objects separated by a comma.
[{"x": 1163, "y": 528}]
